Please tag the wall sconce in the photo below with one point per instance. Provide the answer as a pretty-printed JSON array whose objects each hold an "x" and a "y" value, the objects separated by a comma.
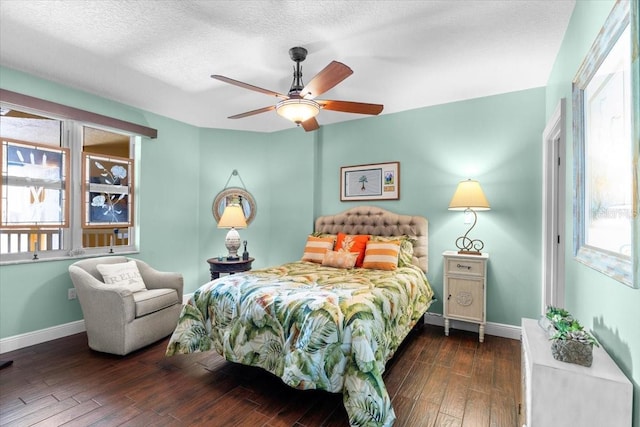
[{"x": 469, "y": 197}]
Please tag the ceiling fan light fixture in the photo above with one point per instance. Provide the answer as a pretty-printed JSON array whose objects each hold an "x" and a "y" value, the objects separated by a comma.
[{"x": 297, "y": 110}]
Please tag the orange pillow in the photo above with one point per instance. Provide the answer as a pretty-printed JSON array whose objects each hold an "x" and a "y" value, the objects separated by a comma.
[
  {"x": 355, "y": 243},
  {"x": 382, "y": 255},
  {"x": 340, "y": 259},
  {"x": 316, "y": 247}
]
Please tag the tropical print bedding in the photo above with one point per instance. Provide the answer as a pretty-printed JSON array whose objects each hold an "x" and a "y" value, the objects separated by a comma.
[{"x": 312, "y": 326}]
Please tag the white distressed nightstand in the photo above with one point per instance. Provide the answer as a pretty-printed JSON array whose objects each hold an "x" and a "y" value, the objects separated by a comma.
[{"x": 465, "y": 296}]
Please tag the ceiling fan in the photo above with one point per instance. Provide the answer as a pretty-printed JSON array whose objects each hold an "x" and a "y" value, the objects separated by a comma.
[{"x": 300, "y": 104}]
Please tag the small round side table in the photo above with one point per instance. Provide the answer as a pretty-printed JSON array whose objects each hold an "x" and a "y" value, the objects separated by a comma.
[{"x": 223, "y": 265}]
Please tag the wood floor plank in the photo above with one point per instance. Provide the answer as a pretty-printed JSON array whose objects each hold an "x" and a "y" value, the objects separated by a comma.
[
  {"x": 482, "y": 375},
  {"x": 42, "y": 414},
  {"x": 447, "y": 352},
  {"x": 477, "y": 410},
  {"x": 463, "y": 361},
  {"x": 423, "y": 414},
  {"x": 455, "y": 396},
  {"x": 433, "y": 380},
  {"x": 504, "y": 410},
  {"x": 115, "y": 404},
  {"x": 436, "y": 385},
  {"x": 69, "y": 414},
  {"x": 445, "y": 420}
]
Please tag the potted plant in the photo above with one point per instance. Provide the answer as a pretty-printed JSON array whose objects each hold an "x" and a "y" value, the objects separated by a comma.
[{"x": 569, "y": 341}]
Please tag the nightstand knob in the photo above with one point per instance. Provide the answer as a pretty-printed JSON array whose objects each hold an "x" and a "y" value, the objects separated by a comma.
[{"x": 449, "y": 297}]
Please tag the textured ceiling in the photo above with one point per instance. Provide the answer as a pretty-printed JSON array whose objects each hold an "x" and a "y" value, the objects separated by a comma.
[{"x": 158, "y": 55}]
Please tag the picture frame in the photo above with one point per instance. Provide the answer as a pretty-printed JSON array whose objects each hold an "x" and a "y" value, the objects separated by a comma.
[
  {"x": 376, "y": 181},
  {"x": 606, "y": 125},
  {"x": 107, "y": 191}
]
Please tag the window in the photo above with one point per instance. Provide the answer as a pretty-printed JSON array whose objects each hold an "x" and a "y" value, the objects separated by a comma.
[
  {"x": 606, "y": 183},
  {"x": 67, "y": 187}
]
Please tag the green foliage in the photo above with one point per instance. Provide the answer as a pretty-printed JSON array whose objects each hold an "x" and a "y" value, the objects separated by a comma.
[{"x": 568, "y": 328}]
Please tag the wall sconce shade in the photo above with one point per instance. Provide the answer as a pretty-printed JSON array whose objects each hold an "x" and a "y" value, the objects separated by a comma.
[
  {"x": 297, "y": 110},
  {"x": 232, "y": 218},
  {"x": 469, "y": 197}
]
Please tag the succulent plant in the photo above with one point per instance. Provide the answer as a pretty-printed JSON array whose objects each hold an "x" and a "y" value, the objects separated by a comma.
[{"x": 567, "y": 328}]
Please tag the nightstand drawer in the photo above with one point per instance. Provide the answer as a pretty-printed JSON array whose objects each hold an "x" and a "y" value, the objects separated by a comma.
[{"x": 465, "y": 266}]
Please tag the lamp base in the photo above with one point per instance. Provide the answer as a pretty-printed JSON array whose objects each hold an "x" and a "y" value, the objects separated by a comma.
[
  {"x": 232, "y": 242},
  {"x": 462, "y": 252}
]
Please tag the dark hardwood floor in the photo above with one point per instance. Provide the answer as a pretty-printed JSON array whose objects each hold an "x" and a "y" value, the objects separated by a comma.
[{"x": 433, "y": 381}]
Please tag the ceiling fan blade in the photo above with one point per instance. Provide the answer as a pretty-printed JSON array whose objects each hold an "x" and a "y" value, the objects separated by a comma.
[
  {"x": 326, "y": 79},
  {"x": 350, "y": 107},
  {"x": 248, "y": 86},
  {"x": 310, "y": 124},
  {"x": 253, "y": 112}
]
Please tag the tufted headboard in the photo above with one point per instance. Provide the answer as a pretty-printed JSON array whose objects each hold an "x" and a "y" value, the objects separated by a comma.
[{"x": 380, "y": 222}]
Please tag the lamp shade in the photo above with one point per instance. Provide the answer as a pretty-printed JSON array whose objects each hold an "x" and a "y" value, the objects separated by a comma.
[
  {"x": 469, "y": 195},
  {"x": 297, "y": 110},
  {"x": 232, "y": 217}
]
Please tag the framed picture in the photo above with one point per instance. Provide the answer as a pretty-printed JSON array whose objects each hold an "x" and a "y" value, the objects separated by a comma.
[
  {"x": 606, "y": 149},
  {"x": 378, "y": 181},
  {"x": 107, "y": 191}
]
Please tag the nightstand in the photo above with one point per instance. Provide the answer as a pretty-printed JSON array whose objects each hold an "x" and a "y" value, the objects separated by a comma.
[
  {"x": 465, "y": 295},
  {"x": 223, "y": 265}
]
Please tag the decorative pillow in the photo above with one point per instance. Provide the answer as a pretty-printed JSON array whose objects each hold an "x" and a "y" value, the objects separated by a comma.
[
  {"x": 382, "y": 255},
  {"x": 316, "y": 247},
  {"x": 324, "y": 235},
  {"x": 125, "y": 274},
  {"x": 342, "y": 259},
  {"x": 406, "y": 247},
  {"x": 355, "y": 243}
]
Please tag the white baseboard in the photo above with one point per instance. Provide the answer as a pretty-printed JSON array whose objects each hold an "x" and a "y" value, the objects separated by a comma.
[
  {"x": 17, "y": 342},
  {"x": 496, "y": 329}
]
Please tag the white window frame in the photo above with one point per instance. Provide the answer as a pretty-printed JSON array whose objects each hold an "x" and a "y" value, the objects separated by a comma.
[{"x": 72, "y": 138}]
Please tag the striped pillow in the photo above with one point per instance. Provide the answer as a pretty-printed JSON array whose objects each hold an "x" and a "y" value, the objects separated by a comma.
[
  {"x": 382, "y": 255},
  {"x": 339, "y": 259},
  {"x": 406, "y": 247},
  {"x": 316, "y": 247}
]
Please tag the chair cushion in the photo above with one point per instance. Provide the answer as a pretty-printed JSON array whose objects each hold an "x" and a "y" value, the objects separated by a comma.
[
  {"x": 125, "y": 274},
  {"x": 151, "y": 300}
]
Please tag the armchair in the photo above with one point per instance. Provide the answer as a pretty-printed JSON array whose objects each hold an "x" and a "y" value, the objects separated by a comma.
[{"x": 119, "y": 321}]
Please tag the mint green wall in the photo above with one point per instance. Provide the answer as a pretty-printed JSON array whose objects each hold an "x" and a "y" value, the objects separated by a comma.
[
  {"x": 609, "y": 308},
  {"x": 495, "y": 140},
  {"x": 34, "y": 296},
  {"x": 294, "y": 177},
  {"x": 278, "y": 170}
]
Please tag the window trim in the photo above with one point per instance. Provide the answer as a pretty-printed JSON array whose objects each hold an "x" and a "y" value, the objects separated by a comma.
[
  {"x": 65, "y": 112},
  {"x": 72, "y": 140}
]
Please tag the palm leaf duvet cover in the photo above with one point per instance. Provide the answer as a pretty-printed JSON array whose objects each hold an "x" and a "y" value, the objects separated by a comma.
[{"x": 314, "y": 327}]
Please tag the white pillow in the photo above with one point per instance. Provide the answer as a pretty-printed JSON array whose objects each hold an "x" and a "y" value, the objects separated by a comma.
[{"x": 125, "y": 274}]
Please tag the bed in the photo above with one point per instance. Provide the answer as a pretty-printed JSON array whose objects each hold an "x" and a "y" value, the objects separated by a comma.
[{"x": 316, "y": 326}]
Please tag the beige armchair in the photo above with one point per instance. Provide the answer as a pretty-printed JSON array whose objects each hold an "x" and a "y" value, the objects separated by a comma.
[{"x": 119, "y": 321}]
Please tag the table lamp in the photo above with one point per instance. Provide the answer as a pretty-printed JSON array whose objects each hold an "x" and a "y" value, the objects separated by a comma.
[
  {"x": 469, "y": 197},
  {"x": 232, "y": 218}
]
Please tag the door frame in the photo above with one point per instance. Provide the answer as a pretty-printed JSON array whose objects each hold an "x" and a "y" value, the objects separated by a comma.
[{"x": 554, "y": 237}]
